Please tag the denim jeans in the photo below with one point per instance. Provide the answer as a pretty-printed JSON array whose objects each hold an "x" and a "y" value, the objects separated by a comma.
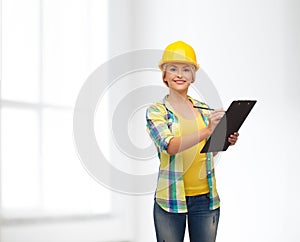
[{"x": 202, "y": 223}]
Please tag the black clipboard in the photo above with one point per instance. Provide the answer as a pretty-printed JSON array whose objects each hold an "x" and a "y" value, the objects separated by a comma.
[{"x": 231, "y": 122}]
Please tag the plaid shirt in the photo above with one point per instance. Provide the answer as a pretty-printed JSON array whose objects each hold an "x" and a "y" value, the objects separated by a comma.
[{"x": 162, "y": 126}]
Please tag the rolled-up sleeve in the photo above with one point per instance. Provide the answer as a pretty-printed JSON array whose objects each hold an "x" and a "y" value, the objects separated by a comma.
[{"x": 158, "y": 129}]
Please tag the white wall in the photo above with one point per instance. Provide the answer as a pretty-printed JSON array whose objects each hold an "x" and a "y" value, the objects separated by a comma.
[{"x": 250, "y": 49}]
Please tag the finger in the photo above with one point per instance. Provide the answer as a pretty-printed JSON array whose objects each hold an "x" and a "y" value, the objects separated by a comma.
[
  {"x": 235, "y": 135},
  {"x": 231, "y": 141},
  {"x": 232, "y": 138},
  {"x": 216, "y": 115},
  {"x": 219, "y": 110}
]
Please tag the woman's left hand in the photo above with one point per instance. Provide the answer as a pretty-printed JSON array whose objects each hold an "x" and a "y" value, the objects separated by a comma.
[{"x": 233, "y": 138}]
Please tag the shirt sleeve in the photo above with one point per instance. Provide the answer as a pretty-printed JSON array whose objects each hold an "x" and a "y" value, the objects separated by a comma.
[{"x": 158, "y": 129}]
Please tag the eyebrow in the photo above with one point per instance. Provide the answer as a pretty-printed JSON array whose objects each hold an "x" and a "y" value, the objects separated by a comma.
[{"x": 172, "y": 65}]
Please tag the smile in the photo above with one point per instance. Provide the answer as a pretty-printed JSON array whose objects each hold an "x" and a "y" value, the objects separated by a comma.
[{"x": 179, "y": 81}]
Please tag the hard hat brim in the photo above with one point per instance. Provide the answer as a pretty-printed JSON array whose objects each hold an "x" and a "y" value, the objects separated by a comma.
[{"x": 161, "y": 63}]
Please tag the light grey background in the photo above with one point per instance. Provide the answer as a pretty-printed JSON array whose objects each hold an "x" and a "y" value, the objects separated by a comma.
[{"x": 250, "y": 49}]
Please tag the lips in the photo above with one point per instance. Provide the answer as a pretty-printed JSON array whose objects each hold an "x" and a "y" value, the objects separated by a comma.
[{"x": 180, "y": 81}]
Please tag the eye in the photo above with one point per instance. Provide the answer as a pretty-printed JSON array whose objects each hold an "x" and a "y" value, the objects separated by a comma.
[
  {"x": 186, "y": 69},
  {"x": 173, "y": 69}
]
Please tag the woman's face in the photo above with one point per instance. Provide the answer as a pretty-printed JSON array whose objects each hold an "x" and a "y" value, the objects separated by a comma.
[{"x": 178, "y": 76}]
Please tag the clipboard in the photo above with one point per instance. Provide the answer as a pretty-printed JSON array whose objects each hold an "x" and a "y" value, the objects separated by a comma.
[{"x": 231, "y": 122}]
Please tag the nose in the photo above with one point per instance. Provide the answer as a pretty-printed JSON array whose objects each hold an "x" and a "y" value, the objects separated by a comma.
[{"x": 179, "y": 73}]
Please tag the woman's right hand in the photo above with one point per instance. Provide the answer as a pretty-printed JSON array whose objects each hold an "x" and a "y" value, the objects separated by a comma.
[
  {"x": 178, "y": 144},
  {"x": 214, "y": 118}
]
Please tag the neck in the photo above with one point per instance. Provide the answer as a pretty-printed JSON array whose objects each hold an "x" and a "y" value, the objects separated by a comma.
[{"x": 177, "y": 97}]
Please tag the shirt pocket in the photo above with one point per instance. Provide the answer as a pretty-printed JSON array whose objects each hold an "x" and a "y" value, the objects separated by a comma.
[{"x": 174, "y": 127}]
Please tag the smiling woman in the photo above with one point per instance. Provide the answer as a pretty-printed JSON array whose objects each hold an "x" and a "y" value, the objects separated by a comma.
[{"x": 186, "y": 185}]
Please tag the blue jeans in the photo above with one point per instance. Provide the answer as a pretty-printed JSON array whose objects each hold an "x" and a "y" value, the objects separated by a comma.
[{"x": 202, "y": 222}]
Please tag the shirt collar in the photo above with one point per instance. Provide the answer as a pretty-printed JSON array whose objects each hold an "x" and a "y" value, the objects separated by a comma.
[{"x": 169, "y": 106}]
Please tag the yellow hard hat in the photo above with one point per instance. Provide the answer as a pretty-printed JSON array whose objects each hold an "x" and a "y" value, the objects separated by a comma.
[{"x": 180, "y": 52}]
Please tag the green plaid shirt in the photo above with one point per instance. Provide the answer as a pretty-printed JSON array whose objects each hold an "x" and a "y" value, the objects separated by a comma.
[{"x": 162, "y": 126}]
